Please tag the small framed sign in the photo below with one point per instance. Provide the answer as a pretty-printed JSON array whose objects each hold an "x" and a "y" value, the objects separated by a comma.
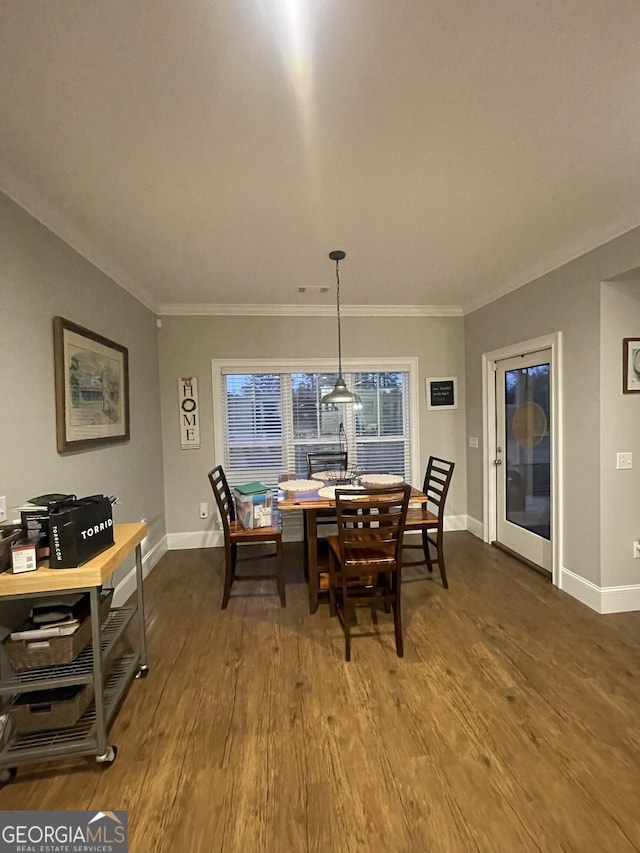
[{"x": 442, "y": 393}]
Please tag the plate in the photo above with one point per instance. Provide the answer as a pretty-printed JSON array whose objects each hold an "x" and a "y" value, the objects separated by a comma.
[
  {"x": 298, "y": 485},
  {"x": 329, "y": 492},
  {"x": 381, "y": 480}
]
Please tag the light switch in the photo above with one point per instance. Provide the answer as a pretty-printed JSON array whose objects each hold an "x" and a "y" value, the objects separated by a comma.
[
  {"x": 473, "y": 441},
  {"x": 624, "y": 461}
]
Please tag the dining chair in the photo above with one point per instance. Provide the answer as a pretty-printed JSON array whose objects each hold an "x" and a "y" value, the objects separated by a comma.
[
  {"x": 235, "y": 535},
  {"x": 318, "y": 461},
  {"x": 429, "y": 518},
  {"x": 326, "y": 460},
  {"x": 365, "y": 556}
]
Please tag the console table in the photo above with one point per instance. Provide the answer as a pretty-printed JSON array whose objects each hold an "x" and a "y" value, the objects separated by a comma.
[{"x": 89, "y": 735}]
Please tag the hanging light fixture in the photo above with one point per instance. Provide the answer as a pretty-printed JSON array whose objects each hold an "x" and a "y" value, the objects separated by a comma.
[{"x": 340, "y": 393}]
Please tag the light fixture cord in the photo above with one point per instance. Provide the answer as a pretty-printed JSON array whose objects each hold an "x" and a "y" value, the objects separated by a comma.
[{"x": 338, "y": 306}]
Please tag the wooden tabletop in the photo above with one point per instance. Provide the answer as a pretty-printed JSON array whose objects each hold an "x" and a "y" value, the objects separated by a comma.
[
  {"x": 311, "y": 500},
  {"x": 92, "y": 573}
]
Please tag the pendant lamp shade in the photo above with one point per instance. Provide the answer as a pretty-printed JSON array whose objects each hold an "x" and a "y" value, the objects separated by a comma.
[{"x": 340, "y": 393}]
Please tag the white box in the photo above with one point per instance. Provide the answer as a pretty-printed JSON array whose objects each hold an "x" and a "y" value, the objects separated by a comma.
[{"x": 23, "y": 557}]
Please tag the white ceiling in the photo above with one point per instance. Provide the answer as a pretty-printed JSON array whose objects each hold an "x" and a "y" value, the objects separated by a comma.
[{"x": 215, "y": 152}]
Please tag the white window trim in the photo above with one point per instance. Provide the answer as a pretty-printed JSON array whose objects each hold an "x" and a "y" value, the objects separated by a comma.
[{"x": 294, "y": 365}]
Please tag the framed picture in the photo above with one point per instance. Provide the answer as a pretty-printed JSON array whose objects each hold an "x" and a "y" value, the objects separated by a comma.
[
  {"x": 631, "y": 366},
  {"x": 442, "y": 393},
  {"x": 92, "y": 387}
]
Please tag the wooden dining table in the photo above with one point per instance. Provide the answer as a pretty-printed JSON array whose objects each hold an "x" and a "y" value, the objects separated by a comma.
[{"x": 310, "y": 503}]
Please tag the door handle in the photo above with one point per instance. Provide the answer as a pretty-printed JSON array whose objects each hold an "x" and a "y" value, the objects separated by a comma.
[{"x": 498, "y": 462}]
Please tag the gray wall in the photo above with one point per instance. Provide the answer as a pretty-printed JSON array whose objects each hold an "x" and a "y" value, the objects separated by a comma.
[
  {"x": 187, "y": 345},
  {"x": 620, "y": 431},
  {"x": 41, "y": 277},
  {"x": 566, "y": 300}
]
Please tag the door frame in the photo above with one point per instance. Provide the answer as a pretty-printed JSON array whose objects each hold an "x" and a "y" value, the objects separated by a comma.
[{"x": 489, "y": 473}]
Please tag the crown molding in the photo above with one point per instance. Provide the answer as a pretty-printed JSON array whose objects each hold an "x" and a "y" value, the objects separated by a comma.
[
  {"x": 54, "y": 220},
  {"x": 243, "y": 310},
  {"x": 556, "y": 260}
]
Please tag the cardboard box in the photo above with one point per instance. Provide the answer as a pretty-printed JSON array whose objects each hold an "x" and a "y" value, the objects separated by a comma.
[{"x": 254, "y": 503}]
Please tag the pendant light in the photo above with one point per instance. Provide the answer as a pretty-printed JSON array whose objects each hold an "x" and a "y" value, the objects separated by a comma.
[{"x": 340, "y": 393}]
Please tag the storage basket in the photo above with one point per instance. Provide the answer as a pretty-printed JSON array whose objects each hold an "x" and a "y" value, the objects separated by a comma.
[
  {"x": 34, "y": 654},
  {"x": 58, "y": 708}
]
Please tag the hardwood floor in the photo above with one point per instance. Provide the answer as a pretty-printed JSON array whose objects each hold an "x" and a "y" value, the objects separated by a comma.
[{"x": 511, "y": 724}]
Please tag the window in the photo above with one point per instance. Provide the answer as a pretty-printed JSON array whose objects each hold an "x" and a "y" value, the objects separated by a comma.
[{"x": 268, "y": 418}]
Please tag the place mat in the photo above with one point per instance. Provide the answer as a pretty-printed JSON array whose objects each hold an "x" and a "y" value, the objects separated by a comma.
[
  {"x": 298, "y": 485},
  {"x": 329, "y": 492},
  {"x": 381, "y": 480}
]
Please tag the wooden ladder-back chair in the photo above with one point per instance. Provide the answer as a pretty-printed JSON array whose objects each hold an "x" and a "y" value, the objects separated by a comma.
[
  {"x": 317, "y": 461},
  {"x": 326, "y": 460},
  {"x": 429, "y": 519},
  {"x": 235, "y": 534},
  {"x": 365, "y": 557}
]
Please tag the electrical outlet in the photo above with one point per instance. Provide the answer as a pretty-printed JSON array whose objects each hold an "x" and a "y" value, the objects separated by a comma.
[
  {"x": 204, "y": 510},
  {"x": 3, "y": 508},
  {"x": 636, "y": 550},
  {"x": 624, "y": 461}
]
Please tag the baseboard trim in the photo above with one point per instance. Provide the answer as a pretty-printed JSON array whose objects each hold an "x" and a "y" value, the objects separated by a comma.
[
  {"x": 607, "y": 599},
  {"x": 620, "y": 599},
  {"x": 127, "y": 586},
  {"x": 475, "y": 527},
  {"x": 291, "y": 532},
  {"x": 455, "y": 522},
  {"x": 194, "y": 539}
]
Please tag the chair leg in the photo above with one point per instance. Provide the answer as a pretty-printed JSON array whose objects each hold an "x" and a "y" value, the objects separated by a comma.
[
  {"x": 229, "y": 573},
  {"x": 280, "y": 571},
  {"x": 425, "y": 548},
  {"x": 397, "y": 622},
  {"x": 346, "y": 617},
  {"x": 439, "y": 549},
  {"x": 332, "y": 588},
  {"x": 443, "y": 574},
  {"x": 346, "y": 614}
]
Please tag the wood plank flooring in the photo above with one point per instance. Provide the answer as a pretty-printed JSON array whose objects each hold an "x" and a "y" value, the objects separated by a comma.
[{"x": 511, "y": 724}]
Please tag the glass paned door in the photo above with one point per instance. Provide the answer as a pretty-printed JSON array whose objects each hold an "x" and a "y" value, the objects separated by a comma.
[{"x": 523, "y": 456}]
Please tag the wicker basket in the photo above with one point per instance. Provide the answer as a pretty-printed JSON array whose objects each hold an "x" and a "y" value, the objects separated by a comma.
[
  {"x": 34, "y": 654},
  {"x": 58, "y": 708}
]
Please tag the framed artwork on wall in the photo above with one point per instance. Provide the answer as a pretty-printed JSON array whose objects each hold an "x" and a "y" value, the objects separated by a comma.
[
  {"x": 92, "y": 387},
  {"x": 631, "y": 366},
  {"x": 442, "y": 393}
]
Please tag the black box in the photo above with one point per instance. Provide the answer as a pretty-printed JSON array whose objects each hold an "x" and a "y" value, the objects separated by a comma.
[
  {"x": 35, "y": 522},
  {"x": 78, "y": 530}
]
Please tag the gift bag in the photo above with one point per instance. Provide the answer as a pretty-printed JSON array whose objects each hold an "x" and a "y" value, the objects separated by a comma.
[{"x": 78, "y": 530}]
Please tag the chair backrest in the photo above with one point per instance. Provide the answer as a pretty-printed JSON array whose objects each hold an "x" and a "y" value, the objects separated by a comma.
[
  {"x": 436, "y": 484},
  {"x": 326, "y": 460},
  {"x": 370, "y": 526},
  {"x": 223, "y": 496}
]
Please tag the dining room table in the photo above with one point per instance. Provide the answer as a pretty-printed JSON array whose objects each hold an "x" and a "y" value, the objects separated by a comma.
[{"x": 310, "y": 501}]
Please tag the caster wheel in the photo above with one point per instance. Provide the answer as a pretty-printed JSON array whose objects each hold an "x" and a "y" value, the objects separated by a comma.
[
  {"x": 143, "y": 672},
  {"x": 7, "y": 776},
  {"x": 109, "y": 756}
]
